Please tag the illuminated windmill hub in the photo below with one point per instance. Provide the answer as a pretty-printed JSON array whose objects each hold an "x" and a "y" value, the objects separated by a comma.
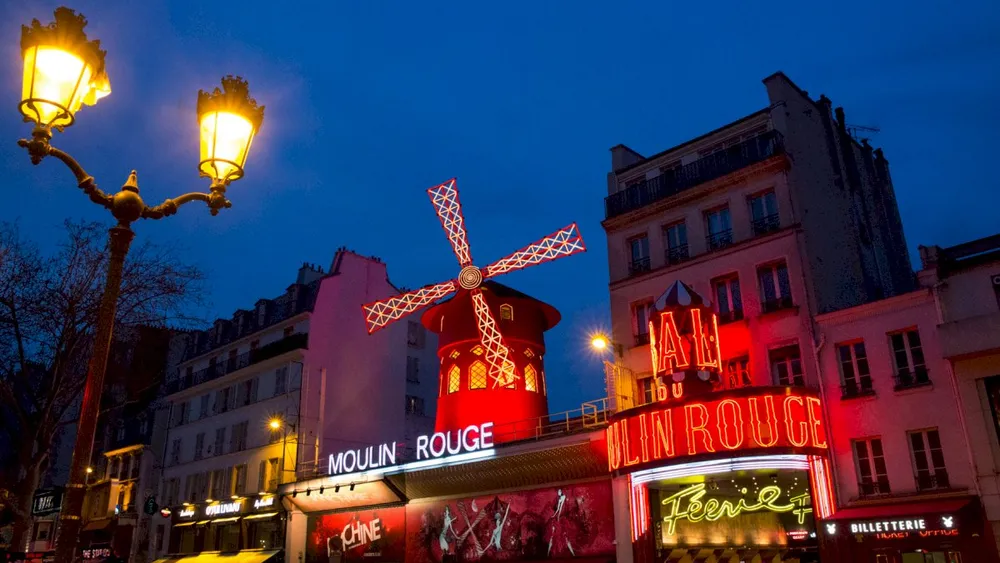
[
  {"x": 502, "y": 373},
  {"x": 470, "y": 277}
]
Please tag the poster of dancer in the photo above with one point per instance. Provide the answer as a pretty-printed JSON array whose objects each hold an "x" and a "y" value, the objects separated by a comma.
[
  {"x": 557, "y": 523},
  {"x": 375, "y": 536}
]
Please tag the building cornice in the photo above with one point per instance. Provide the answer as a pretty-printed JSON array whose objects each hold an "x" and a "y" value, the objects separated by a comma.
[{"x": 304, "y": 315}]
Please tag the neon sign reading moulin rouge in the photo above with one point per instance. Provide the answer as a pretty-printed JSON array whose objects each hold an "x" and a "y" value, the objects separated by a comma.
[
  {"x": 437, "y": 445},
  {"x": 688, "y": 505},
  {"x": 753, "y": 418}
]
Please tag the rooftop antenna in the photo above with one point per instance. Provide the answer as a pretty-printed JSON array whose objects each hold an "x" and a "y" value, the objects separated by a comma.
[{"x": 854, "y": 129}]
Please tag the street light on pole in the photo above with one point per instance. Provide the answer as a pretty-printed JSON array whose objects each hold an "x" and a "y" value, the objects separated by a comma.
[
  {"x": 63, "y": 71},
  {"x": 618, "y": 378},
  {"x": 275, "y": 424}
]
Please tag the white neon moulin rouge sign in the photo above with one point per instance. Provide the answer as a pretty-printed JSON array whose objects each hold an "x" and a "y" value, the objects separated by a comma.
[{"x": 434, "y": 446}]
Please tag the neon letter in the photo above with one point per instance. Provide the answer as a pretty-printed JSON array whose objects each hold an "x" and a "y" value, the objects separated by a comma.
[
  {"x": 706, "y": 341},
  {"x": 756, "y": 427},
  {"x": 614, "y": 448},
  {"x": 790, "y": 422},
  {"x": 486, "y": 433},
  {"x": 735, "y": 419},
  {"x": 815, "y": 422},
  {"x": 670, "y": 353},
  {"x": 629, "y": 459},
  {"x": 475, "y": 438},
  {"x": 700, "y": 428},
  {"x": 422, "y": 447},
  {"x": 644, "y": 438},
  {"x": 663, "y": 430}
]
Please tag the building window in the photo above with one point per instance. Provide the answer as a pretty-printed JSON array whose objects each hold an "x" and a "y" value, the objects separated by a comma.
[
  {"x": 175, "y": 452},
  {"x": 223, "y": 398},
  {"x": 238, "y": 440},
  {"x": 506, "y": 312},
  {"x": 675, "y": 240},
  {"x": 477, "y": 350},
  {"x": 477, "y": 375},
  {"x": 289, "y": 330},
  {"x": 640, "y": 321},
  {"x": 530, "y": 378},
  {"x": 775, "y": 291},
  {"x": 219, "y": 485},
  {"x": 638, "y": 255},
  {"x": 273, "y": 477},
  {"x": 220, "y": 441},
  {"x": 280, "y": 381},
  {"x": 120, "y": 431},
  {"x": 908, "y": 359},
  {"x": 240, "y": 480},
  {"x": 247, "y": 392},
  {"x": 720, "y": 228},
  {"x": 416, "y": 335},
  {"x": 454, "y": 379},
  {"x": 786, "y": 366},
  {"x": 412, "y": 370},
  {"x": 254, "y": 344},
  {"x": 414, "y": 405},
  {"x": 728, "y": 299},
  {"x": 738, "y": 372},
  {"x": 143, "y": 424},
  {"x": 647, "y": 390},
  {"x": 231, "y": 361},
  {"x": 764, "y": 213},
  {"x": 199, "y": 445},
  {"x": 869, "y": 462},
  {"x": 857, "y": 380},
  {"x": 928, "y": 460},
  {"x": 992, "y": 389},
  {"x": 203, "y": 410}
]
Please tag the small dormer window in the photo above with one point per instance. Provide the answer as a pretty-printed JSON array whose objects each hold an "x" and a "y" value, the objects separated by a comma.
[{"x": 506, "y": 312}]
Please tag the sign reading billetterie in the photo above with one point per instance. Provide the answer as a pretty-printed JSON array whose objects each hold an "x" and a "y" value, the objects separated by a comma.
[{"x": 438, "y": 445}]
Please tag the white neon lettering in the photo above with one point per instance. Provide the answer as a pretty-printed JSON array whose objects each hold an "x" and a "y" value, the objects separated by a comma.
[
  {"x": 475, "y": 439},
  {"x": 435, "y": 451},
  {"x": 354, "y": 461},
  {"x": 388, "y": 456},
  {"x": 458, "y": 442},
  {"x": 422, "y": 447},
  {"x": 486, "y": 435}
]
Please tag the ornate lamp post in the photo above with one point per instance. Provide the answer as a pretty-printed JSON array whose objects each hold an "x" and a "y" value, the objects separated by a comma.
[{"x": 63, "y": 71}]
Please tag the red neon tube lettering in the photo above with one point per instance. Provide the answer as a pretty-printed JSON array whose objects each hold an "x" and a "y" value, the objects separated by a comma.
[
  {"x": 705, "y": 341},
  {"x": 730, "y": 422},
  {"x": 663, "y": 434},
  {"x": 757, "y": 427},
  {"x": 614, "y": 448},
  {"x": 699, "y": 428},
  {"x": 644, "y": 438},
  {"x": 629, "y": 458},
  {"x": 792, "y": 421},
  {"x": 813, "y": 409},
  {"x": 671, "y": 354}
]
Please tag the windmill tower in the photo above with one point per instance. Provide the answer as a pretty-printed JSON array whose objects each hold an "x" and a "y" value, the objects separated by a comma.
[{"x": 472, "y": 311}]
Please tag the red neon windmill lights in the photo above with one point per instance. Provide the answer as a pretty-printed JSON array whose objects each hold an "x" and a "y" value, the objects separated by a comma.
[{"x": 564, "y": 242}]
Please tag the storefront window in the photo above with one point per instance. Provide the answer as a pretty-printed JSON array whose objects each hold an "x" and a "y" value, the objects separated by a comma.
[
  {"x": 229, "y": 537},
  {"x": 186, "y": 544},
  {"x": 264, "y": 534}
]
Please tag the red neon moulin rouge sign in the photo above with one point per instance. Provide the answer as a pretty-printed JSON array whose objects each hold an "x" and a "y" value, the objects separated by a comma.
[{"x": 752, "y": 418}]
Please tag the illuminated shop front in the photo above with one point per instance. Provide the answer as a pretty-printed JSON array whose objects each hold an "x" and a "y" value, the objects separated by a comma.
[
  {"x": 718, "y": 474},
  {"x": 947, "y": 530},
  {"x": 251, "y": 527}
]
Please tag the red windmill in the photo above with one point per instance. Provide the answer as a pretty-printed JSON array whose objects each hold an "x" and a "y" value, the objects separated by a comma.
[{"x": 564, "y": 242}]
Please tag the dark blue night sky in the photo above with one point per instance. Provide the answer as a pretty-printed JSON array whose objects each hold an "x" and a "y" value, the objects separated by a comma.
[{"x": 369, "y": 103}]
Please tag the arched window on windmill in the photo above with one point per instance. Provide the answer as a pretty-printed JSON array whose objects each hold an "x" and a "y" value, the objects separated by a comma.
[
  {"x": 506, "y": 312},
  {"x": 530, "y": 378},
  {"x": 477, "y": 375},
  {"x": 454, "y": 379}
]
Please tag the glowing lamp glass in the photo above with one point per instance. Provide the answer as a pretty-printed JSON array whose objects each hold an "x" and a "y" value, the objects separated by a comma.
[
  {"x": 274, "y": 424},
  {"x": 599, "y": 343},
  {"x": 225, "y": 143},
  {"x": 56, "y": 84}
]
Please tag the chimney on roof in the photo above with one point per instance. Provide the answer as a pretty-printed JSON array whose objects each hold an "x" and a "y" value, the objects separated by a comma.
[{"x": 308, "y": 273}]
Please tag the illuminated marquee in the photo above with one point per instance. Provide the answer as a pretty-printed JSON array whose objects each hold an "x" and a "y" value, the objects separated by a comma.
[
  {"x": 689, "y": 505},
  {"x": 755, "y": 418},
  {"x": 434, "y": 446},
  {"x": 223, "y": 508}
]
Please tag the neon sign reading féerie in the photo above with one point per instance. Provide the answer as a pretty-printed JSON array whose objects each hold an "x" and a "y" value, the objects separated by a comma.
[
  {"x": 688, "y": 505},
  {"x": 752, "y": 418},
  {"x": 438, "y": 445}
]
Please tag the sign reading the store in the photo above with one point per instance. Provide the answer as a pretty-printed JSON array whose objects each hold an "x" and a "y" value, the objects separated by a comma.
[
  {"x": 433, "y": 446},
  {"x": 46, "y": 502},
  {"x": 224, "y": 508},
  {"x": 755, "y": 418},
  {"x": 690, "y": 504}
]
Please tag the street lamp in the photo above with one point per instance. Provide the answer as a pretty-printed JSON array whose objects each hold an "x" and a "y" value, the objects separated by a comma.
[
  {"x": 618, "y": 378},
  {"x": 276, "y": 423},
  {"x": 63, "y": 71}
]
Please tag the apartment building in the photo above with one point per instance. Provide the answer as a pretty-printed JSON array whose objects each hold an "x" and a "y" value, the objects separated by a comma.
[
  {"x": 261, "y": 397},
  {"x": 965, "y": 280},
  {"x": 776, "y": 216}
]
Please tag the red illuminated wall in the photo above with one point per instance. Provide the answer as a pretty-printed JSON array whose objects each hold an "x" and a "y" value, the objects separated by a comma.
[
  {"x": 522, "y": 320},
  {"x": 342, "y": 528},
  {"x": 532, "y": 520},
  {"x": 748, "y": 419}
]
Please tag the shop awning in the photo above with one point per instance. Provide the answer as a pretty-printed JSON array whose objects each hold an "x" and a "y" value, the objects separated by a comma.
[
  {"x": 247, "y": 556},
  {"x": 225, "y": 520},
  {"x": 900, "y": 509},
  {"x": 259, "y": 516},
  {"x": 182, "y": 524}
]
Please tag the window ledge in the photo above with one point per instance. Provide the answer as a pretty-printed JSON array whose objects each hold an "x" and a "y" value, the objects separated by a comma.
[
  {"x": 914, "y": 388},
  {"x": 792, "y": 310},
  {"x": 860, "y": 395}
]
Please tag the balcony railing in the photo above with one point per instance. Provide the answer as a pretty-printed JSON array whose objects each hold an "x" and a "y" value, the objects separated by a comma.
[
  {"x": 719, "y": 240},
  {"x": 853, "y": 389},
  {"x": 927, "y": 482},
  {"x": 638, "y": 266},
  {"x": 873, "y": 488},
  {"x": 776, "y": 304},
  {"x": 677, "y": 254},
  {"x": 287, "y": 344},
  {"x": 907, "y": 379},
  {"x": 766, "y": 224},
  {"x": 704, "y": 169}
]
